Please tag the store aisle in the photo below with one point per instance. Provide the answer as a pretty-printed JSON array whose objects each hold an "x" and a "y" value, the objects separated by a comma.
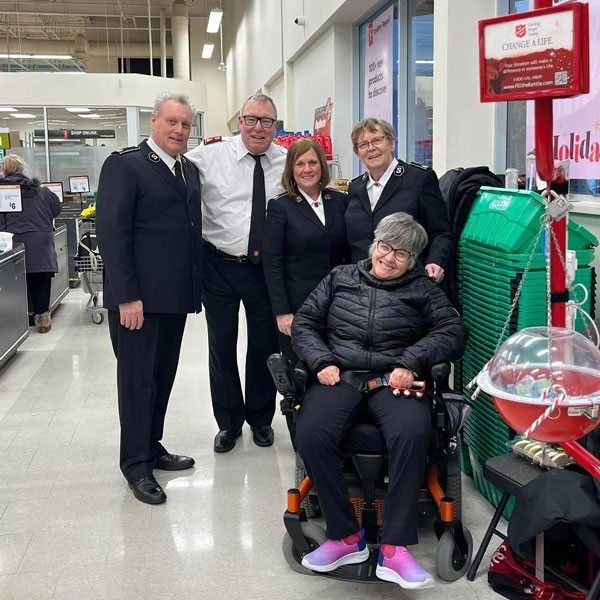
[{"x": 71, "y": 530}]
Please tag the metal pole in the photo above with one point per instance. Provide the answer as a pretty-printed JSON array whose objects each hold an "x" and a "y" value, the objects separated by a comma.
[{"x": 150, "y": 38}]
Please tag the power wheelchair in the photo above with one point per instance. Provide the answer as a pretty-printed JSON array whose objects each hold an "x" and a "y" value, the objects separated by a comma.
[{"x": 364, "y": 462}]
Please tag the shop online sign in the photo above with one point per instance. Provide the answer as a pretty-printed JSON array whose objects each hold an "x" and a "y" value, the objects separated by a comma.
[{"x": 537, "y": 54}]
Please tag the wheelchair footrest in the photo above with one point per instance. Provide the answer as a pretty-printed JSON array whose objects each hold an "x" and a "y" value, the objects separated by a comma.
[{"x": 364, "y": 571}]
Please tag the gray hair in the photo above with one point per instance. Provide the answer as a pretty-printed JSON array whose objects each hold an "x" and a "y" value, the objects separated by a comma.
[
  {"x": 402, "y": 231},
  {"x": 259, "y": 98},
  {"x": 166, "y": 96}
]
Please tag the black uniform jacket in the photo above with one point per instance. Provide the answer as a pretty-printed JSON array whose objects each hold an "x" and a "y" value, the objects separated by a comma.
[
  {"x": 149, "y": 230},
  {"x": 411, "y": 189},
  {"x": 356, "y": 321},
  {"x": 298, "y": 250}
]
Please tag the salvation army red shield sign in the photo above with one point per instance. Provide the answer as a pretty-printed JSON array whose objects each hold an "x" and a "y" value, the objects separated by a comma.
[{"x": 540, "y": 53}]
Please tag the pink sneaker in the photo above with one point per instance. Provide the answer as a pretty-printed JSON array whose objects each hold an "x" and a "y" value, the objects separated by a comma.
[
  {"x": 395, "y": 564},
  {"x": 335, "y": 553}
]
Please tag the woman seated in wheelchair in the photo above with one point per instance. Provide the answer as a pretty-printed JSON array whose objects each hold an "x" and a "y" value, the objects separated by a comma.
[{"x": 381, "y": 316}]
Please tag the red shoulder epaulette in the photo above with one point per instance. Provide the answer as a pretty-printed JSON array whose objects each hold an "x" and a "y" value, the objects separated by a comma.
[{"x": 212, "y": 140}]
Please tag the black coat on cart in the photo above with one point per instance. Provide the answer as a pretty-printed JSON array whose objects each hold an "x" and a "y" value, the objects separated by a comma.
[{"x": 149, "y": 232}]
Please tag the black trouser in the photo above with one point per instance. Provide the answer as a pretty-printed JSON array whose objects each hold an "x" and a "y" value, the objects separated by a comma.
[
  {"x": 147, "y": 361},
  {"x": 39, "y": 286},
  {"x": 226, "y": 282},
  {"x": 327, "y": 415}
]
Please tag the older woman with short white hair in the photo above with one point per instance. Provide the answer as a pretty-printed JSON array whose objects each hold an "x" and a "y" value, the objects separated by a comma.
[{"x": 380, "y": 316}]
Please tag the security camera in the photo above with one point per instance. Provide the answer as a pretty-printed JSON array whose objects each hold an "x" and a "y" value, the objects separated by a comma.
[{"x": 299, "y": 21}]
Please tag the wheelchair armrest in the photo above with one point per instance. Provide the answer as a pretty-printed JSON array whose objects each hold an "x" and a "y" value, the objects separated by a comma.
[
  {"x": 440, "y": 371},
  {"x": 290, "y": 383}
]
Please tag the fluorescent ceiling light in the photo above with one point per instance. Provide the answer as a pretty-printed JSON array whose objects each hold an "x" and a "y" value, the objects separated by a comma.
[
  {"x": 7, "y": 109},
  {"x": 38, "y": 56},
  {"x": 214, "y": 20},
  {"x": 423, "y": 62},
  {"x": 77, "y": 109},
  {"x": 90, "y": 116},
  {"x": 207, "y": 50},
  {"x": 23, "y": 116},
  {"x": 51, "y": 56}
]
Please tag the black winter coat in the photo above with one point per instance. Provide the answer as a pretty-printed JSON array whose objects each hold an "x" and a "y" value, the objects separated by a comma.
[
  {"x": 34, "y": 226},
  {"x": 355, "y": 321}
]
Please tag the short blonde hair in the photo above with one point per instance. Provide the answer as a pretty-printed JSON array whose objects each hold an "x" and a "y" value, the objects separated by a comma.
[{"x": 13, "y": 164}]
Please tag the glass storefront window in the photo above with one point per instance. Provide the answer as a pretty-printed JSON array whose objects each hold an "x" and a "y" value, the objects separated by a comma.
[
  {"x": 420, "y": 82},
  {"x": 411, "y": 103}
]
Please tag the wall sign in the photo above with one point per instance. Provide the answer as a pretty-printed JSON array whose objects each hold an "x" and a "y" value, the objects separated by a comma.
[
  {"x": 378, "y": 94},
  {"x": 535, "y": 54}
]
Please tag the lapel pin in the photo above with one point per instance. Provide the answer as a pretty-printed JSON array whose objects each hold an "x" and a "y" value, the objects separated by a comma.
[
  {"x": 327, "y": 197},
  {"x": 299, "y": 199},
  {"x": 153, "y": 157},
  {"x": 399, "y": 171},
  {"x": 364, "y": 177}
]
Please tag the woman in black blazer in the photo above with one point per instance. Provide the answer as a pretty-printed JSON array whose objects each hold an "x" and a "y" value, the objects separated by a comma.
[{"x": 304, "y": 236}]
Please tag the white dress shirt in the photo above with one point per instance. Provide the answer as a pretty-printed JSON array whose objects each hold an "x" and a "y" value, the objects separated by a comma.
[
  {"x": 319, "y": 210},
  {"x": 226, "y": 173},
  {"x": 166, "y": 158},
  {"x": 374, "y": 188}
]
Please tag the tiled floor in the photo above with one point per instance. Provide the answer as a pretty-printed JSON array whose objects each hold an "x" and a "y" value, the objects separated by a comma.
[{"x": 71, "y": 529}]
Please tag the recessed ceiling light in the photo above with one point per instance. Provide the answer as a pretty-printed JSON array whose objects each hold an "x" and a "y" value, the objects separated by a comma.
[
  {"x": 22, "y": 116},
  {"x": 77, "y": 109},
  {"x": 7, "y": 109},
  {"x": 90, "y": 116}
]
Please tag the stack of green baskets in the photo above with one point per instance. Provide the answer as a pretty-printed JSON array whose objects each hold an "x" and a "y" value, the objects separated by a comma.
[{"x": 493, "y": 252}]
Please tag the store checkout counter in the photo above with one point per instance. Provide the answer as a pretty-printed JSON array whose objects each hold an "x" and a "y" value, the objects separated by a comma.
[{"x": 14, "y": 323}]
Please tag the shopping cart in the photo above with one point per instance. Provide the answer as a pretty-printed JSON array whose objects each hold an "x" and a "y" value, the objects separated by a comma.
[{"x": 88, "y": 263}]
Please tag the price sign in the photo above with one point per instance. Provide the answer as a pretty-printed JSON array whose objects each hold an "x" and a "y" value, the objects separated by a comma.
[
  {"x": 10, "y": 198},
  {"x": 79, "y": 184}
]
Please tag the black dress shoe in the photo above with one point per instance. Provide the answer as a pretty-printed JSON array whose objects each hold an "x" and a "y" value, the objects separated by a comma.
[
  {"x": 148, "y": 490},
  {"x": 174, "y": 462},
  {"x": 263, "y": 435},
  {"x": 225, "y": 440}
]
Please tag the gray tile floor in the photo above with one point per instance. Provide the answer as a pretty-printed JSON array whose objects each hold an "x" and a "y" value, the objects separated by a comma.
[{"x": 71, "y": 529}]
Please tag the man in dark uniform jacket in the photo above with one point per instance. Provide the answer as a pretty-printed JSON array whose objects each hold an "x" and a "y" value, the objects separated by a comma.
[
  {"x": 391, "y": 186},
  {"x": 148, "y": 223}
]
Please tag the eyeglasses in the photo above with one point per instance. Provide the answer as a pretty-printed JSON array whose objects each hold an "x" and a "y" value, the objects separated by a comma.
[
  {"x": 375, "y": 142},
  {"x": 266, "y": 122},
  {"x": 400, "y": 255}
]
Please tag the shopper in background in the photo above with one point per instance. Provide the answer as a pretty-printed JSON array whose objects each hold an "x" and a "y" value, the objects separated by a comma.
[
  {"x": 305, "y": 235},
  {"x": 389, "y": 186},
  {"x": 363, "y": 321},
  {"x": 34, "y": 227},
  {"x": 238, "y": 174},
  {"x": 148, "y": 223}
]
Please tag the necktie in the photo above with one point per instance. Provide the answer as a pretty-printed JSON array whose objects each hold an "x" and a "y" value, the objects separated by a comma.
[
  {"x": 178, "y": 172},
  {"x": 257, "y": 220}
]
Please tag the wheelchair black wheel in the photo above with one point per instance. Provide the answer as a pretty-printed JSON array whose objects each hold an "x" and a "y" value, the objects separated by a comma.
[
  {"x": 314, "y": 535},
  {"x": 310, "y": 504},
  {"x": 451, "y": 563}
]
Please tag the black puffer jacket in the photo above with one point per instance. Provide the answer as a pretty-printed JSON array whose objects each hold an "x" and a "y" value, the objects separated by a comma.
[{"x": 356, "y": 321}]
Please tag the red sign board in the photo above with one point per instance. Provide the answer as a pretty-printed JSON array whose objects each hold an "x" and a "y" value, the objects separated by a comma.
[{"x": 537, "y": 54}]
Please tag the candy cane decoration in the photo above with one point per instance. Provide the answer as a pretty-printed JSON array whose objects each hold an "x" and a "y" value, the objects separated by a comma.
[
  {"x": 561, "y": 395},
  {"x": 474, "y": 380}
]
